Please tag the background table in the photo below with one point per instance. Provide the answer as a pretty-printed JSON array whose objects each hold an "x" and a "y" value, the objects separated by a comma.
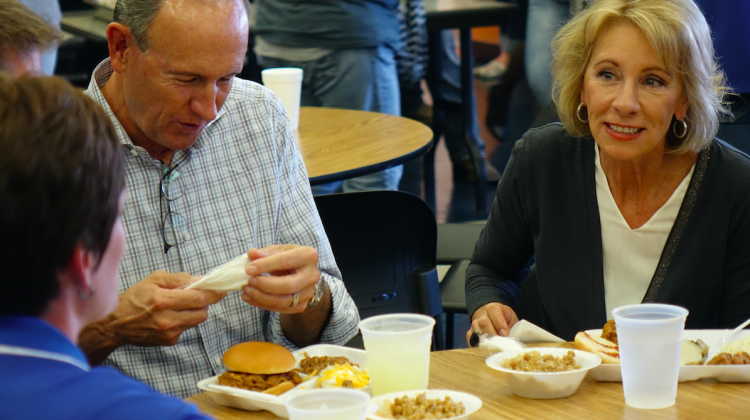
[
  {"x": 339, "y": 144},
  {"x": 465, "y": 370}
]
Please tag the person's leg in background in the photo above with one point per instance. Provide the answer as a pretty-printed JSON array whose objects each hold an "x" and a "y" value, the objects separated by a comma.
[
  {"x": 545, "y": 17},
  {"x": 450, "y": 85},
  {"x": 362, "y": 79},
  {"x": 512, "y": 42}
]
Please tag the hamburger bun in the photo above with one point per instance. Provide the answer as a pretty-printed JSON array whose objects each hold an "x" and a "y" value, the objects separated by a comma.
[
  {"x": 607, "y": 350},
  {"x": 259, "y": 358}
]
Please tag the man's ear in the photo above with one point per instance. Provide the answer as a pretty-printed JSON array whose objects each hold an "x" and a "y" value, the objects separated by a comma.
[
  {"x": 79, "y": 268},
  {"x": 120, "y": 40}
]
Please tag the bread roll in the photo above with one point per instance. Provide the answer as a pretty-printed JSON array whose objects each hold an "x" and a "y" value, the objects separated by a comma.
[
  {"x": 607, "y": 350},
  {"x": 259, "y": 357}
]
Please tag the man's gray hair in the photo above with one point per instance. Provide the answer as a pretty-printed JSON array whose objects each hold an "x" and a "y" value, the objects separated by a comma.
[{"x": 138, "y": 15}]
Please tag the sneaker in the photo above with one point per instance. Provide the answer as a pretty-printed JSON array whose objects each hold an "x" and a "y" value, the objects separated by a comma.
[
  {"x": 491, "y": 71},
  {"x": 465, "y": 170}
]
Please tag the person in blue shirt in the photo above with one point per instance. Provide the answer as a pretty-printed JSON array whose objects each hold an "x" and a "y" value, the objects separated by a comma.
[{"x": 62, "y": 189}]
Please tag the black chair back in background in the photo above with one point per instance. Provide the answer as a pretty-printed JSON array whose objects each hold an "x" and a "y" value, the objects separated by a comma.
[{"x": 385, "y": 244}]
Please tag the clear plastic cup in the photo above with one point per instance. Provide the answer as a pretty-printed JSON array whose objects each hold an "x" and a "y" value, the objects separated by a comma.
[
  {"x": 328, "y": 404},
  {"x": 398, "y": 351},
  {"x": 649, "y": 337},
  {"x": 286, "y": 83}
]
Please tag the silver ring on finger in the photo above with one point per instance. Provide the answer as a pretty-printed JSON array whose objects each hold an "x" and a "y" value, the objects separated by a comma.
[{"x": 295, "y": 300}]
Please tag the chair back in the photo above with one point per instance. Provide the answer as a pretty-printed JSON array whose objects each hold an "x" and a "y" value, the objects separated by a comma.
[{"x": 385, "y": 245}]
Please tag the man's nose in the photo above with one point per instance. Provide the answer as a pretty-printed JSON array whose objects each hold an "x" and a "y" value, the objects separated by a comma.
[{"x": 204, "y": 102}]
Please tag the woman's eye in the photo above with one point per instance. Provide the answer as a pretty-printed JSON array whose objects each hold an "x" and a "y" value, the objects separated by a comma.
[
  {"x": 606, "y": 75},
  {"x": 654, "y": 82}
]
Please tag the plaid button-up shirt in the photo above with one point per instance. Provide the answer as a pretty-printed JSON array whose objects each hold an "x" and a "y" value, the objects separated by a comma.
[{"x": 245, "y": 186}]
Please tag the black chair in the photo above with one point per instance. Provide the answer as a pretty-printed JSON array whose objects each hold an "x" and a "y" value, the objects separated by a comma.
[
  {"x": 384, "y": 243},
  {"x": 455, "y": 241},
  {"x": 453, "y": 297}
]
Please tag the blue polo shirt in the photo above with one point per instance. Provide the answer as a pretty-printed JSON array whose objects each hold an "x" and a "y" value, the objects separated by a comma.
[
  {"x": 45, "y": 376},
  {"x": 730, "y": 25}
]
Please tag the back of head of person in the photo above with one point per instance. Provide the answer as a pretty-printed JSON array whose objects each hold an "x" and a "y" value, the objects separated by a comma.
[
  {"x": 23, "y": 35},
  {"x": 62, "y": 181}
]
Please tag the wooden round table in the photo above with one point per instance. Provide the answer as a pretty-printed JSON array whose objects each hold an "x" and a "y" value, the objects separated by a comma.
[{"x": 339, "y": 144}]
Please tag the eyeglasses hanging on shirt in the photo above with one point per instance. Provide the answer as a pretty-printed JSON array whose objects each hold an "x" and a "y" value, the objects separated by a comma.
[{"x": 174, "y": 226}]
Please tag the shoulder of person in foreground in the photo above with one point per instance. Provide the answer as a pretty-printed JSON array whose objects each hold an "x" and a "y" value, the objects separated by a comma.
[{"x": 116, "y": 397}]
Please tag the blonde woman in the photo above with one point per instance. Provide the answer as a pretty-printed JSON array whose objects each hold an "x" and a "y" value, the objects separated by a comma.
[{"x": 630, "y": 199}]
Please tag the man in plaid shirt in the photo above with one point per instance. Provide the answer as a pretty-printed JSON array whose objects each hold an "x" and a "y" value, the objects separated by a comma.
[{"x": 212, "y": 172}]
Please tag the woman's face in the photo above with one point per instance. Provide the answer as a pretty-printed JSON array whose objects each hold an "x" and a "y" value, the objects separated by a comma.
[
  {"x": 106, "y": 277},
  {"x": 630, "y": 96}
]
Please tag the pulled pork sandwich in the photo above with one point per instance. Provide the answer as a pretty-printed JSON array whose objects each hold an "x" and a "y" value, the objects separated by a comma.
[{"x": 261, "y": 367}]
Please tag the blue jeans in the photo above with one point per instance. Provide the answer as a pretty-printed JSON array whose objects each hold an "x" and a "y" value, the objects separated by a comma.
[
  {"x": 545, "y": 17},
  {"x": 450, "y": 84},
  {"x": 363, "y": 79}
]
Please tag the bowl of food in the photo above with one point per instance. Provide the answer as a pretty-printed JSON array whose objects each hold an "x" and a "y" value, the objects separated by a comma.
[
  {"x": 544, "y": 373},
  {"x": 423, "y": 404}
]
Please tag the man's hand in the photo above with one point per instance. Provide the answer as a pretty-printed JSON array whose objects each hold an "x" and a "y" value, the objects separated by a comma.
[
  {"x": 153, "y": 312},
  {"x": 492, "y": 319},
  {"x": 278, "y": 272}
]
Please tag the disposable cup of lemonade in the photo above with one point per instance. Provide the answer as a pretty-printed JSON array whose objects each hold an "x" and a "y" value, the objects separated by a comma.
[{"x": 398, "y": 351}]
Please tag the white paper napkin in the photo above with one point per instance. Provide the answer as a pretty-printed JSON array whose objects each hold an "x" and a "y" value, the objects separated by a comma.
[
  {"x": 226, "y": 277},
  {"x": 530, "y": 333}
]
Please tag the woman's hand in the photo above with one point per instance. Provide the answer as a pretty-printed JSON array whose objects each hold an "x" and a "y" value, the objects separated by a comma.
[{"x": 492, "y": 319}]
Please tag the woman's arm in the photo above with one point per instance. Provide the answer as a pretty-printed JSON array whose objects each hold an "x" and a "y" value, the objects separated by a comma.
[{"x": 503, "y": 254}]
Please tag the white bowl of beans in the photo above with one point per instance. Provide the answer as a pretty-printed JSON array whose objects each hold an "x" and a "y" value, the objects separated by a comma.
[
  {"x": 452, "y": 405},
  {"x": 544, "y": 373}
]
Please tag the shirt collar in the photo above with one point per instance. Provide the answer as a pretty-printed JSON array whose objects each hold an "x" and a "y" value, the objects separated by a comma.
[
  {"x": 102, "y": 73},
  {"x": 34, "y": 333}
]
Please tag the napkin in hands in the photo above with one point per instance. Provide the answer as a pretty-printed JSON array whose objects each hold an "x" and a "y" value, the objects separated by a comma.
[
  {"x": 226, "y": 277},
  {"x": 530, "y": 333}
]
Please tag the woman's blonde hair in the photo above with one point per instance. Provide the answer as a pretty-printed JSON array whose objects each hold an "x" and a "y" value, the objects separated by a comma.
[{"x": 679, "y": 34}]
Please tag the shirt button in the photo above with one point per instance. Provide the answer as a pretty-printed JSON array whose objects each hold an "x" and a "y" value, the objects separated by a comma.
[
  {"x": 218, "y": 361},
  {"x": 133, "y": 152}
]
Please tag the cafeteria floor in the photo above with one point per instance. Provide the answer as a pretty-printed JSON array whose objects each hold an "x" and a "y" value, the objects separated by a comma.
[{"x": 455, "y": 197}]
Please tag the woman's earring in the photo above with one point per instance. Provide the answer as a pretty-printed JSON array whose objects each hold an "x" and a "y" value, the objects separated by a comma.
[
  {"x": 578, "y": 114},
  {"x": 684, "y": 129},
  {"x": 86, "y": 296}
]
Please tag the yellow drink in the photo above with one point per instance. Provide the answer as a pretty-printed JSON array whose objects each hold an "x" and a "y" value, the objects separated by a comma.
[{"x": 398, "y": 351}]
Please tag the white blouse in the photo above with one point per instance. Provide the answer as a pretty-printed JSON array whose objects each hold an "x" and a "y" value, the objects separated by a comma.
[{"x": 632, "y": 255}]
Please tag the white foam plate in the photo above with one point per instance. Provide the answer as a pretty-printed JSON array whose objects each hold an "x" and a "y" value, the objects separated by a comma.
[
  {"x": 722, "y": 373},
  {"x": 471, "y": 402},
  {"x": 257, "y": 401}
]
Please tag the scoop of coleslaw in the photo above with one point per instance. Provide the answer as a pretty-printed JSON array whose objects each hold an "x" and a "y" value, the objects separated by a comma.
[
  {"x": 346, "y": 375},
  {"x": 743, "y": 344}
]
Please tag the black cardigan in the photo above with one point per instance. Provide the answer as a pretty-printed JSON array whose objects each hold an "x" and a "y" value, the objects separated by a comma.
[{"x": 546, "y": 210}]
